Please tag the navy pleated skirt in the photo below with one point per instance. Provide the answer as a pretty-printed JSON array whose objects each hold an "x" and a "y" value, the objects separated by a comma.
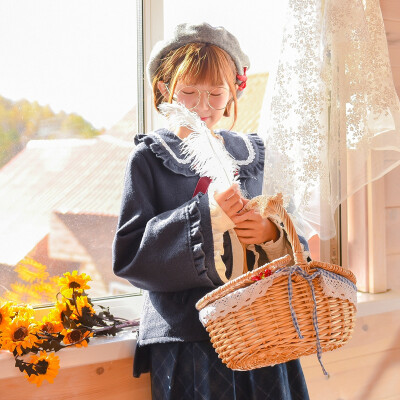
[{"x": 193, "y": 371}]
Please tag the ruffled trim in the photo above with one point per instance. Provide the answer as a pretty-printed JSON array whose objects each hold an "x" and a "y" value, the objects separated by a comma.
[
  {"x": 220, "y": 223},
  {"x": 247, "y": 149},
  {"x": 273, "y": 250},
  {"x": 278, "y": 222},
  {"x": 241, "y": 146},
  {"x": 196, "y": 237},
  {"x": 166, "y": 146},
  {"x": 277, "y": 249}
]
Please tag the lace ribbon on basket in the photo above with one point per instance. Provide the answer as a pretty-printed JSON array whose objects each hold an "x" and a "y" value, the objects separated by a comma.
[{"x": 333, "y": 285}]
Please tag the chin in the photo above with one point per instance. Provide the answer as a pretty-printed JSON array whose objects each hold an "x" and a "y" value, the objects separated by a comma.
[{"x": 209, "y": 124}]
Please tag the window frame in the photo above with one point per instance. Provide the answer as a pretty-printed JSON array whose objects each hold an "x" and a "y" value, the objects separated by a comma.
[{"x": 150, "y": 29}]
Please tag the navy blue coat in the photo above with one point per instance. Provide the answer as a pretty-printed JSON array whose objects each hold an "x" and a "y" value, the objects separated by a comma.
[{"x": 164, "y": 241}]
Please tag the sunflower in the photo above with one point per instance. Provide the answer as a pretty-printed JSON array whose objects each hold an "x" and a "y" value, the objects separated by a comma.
[
  {"x": 79, "y": 337},
  {"x": 58, "y": 310},
  {"x": 83, "y": 307},
  {"x": 46, "y": 366},
  {"x": 73, "y": 282},
  {"x": 51, "y": 323},
  {"x": 19, "y": 335},
  {"x": 23, "y": 311},
  {"x": 5, "y": 315}
]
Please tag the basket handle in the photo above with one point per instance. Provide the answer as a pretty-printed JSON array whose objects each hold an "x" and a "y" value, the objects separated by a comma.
[
  {"x": 336, "y": 269},
  {"x": 268, "y": 206}
]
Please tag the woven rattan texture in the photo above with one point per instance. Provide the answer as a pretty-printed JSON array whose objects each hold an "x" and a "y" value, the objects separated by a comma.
[{"x": 263, "y": 333}]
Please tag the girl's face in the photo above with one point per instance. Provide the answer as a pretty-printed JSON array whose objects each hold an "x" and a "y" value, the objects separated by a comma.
[{"x": 207, "y": 101}]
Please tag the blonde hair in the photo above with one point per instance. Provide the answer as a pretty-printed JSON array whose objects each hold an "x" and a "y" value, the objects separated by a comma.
[{"x": 195, "y": 63}]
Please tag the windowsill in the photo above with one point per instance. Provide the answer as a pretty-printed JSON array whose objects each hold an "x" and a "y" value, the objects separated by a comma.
[
  {"x": 100, "y": 349},
  {"x": 104, "y": 349},
  {"x": 370, "y": 304}
]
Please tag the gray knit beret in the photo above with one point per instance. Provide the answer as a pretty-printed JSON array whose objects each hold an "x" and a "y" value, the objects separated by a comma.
[{"x": 201, "y": 33}]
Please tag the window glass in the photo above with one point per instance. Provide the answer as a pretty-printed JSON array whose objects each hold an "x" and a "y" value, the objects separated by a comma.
[{"x": 68, "y": 115}]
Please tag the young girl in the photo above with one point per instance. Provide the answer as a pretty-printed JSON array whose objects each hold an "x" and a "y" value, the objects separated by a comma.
[{"x": 178, "y": 241}]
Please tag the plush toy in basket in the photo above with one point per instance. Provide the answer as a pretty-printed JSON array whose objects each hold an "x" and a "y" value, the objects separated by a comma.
[{"x": 277, "y": 313}]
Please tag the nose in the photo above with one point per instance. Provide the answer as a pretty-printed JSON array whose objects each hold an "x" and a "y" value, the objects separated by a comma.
[{"x": 203, "y": 102}]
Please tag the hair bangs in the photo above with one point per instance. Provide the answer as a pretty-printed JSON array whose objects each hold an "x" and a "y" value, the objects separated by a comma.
[{"x": 205, "y": 63}]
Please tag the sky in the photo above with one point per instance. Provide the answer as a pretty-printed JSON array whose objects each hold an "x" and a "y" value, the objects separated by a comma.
[
  {"x": 255, "y": 23},
  {"x": 80, "y": 55}
]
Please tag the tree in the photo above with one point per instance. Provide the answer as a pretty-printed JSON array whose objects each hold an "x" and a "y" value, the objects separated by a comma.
[{"x": 22, "y": 121}]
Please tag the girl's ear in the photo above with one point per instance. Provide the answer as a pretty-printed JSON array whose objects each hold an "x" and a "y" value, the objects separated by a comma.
[
  {"x": 227, "y": 111},
  {"x": 163, "y": 89}
]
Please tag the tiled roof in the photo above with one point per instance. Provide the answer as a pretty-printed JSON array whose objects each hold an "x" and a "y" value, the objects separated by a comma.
[
  {"x": 93, "y": 234},
  {"x": 70, "y": 175}
]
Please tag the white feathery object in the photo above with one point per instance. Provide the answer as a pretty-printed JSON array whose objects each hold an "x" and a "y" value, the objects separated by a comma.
[{"x": 207, "y": 154}]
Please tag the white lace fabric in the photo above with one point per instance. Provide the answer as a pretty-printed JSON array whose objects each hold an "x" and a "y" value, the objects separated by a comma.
[
  {"x": 331, "y": 117},
  {"x": 277, "y": 249},
  {"x": 250, "y": 149},
  {"x": 331, "y": 284}
]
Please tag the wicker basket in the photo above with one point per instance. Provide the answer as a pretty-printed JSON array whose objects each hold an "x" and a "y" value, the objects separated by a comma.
[{"x": 268, "y": 330}]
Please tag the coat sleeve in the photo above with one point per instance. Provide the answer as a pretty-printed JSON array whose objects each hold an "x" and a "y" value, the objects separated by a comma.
[{"x": 160, "y": 252}]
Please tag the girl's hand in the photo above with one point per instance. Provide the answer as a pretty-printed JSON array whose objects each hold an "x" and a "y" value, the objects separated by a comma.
[
  {"x": 230, "y": 200},
  {"x": 252, "y": 228}
]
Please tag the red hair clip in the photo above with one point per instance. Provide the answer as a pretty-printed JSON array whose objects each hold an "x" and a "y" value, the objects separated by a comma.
[{"x": 242, "y": 78}]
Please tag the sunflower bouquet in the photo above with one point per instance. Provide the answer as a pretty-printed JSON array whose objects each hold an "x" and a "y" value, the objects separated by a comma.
[{"x": 72, "y": 321}]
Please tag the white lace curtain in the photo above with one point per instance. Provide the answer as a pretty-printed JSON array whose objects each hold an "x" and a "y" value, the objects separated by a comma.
[{"x": 331, "y": 116}]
